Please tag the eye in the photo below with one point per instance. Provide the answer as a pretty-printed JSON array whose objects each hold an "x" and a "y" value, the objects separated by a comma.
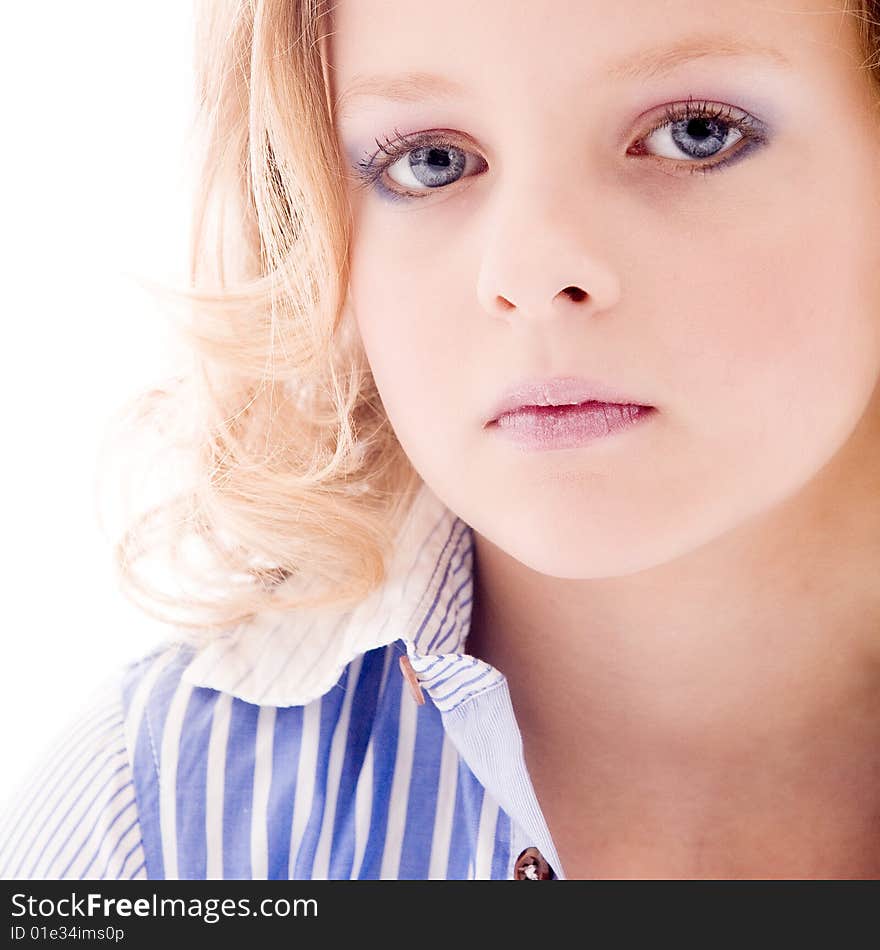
[
  {"x": 429, "y": 166},
  {"x": 418, "y": 164},
  {"x": 693, "y": 131}
]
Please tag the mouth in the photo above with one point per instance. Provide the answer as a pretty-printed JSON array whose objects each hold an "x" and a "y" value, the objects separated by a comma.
[
  {"x": 559, "y": 394},
  {"x": 569, "y": 425},
  {"x": 561, "y": 409}
]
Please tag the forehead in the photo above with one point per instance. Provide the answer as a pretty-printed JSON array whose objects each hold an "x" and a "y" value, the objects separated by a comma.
[{"x": 528, "y": 47}]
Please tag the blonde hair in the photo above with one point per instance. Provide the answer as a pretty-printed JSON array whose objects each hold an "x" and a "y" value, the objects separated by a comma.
[{"x": 294, "y": 482}]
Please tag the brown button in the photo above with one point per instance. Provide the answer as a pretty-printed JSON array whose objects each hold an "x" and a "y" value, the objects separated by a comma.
[
  {"x": 531, "y": 866},
  {"x": 415, "y": 687}
]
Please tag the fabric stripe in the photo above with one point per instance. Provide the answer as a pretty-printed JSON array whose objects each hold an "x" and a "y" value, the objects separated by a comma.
[
  {"x": 443, "y": 817},
  {"x": 285, "y": 764},
  {"x": 192, "y": 785},
  {"x": 339, "y": 744},
  {"x": 429, "y": 630},
  {"x": 501, "y": 858},
  {"x": 305, "y": 783},
  {"x": 110, "y": 836},
  {"x": 418, "y": 836},
  {"x": 128, "y": 862},
  {"x": 262, "y": 786},
  {"x": 455, "y": 622},
  {"x": 126, "y": 840},
  {"x": 87, "y": 774},
  {"x": 363, "y": 810},
  {"x": 330, "y": 708},
  {"x": 346, "y": 842},
  {"x": 238, "y": 790},
  {"x": 398, "y": 797},
  {"x": 168, "y": 790},
  {"x": 68, "y": 841},
  {"x": 384, "y": 745},
  {"x": 216, "y": 787},
  {"x": 462, "y": 685},
  {"x": 366, "y": 780},
  {"x": 485, "y": 845},
  {"x": 115, "y": 796},
  {"x": 468, "y": 799}
]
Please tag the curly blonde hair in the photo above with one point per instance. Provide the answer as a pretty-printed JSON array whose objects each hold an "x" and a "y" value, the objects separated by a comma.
[{"x": 294, "y": 484}]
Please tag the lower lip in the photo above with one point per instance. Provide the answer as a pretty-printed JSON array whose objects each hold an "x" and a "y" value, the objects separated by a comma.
[{"x": 566, "y": 427}]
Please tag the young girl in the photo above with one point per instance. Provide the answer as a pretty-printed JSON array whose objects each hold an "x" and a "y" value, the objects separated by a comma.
[{"x": 535, "y": 432}]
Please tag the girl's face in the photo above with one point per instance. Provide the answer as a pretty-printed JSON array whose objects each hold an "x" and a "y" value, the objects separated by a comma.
[{"x": 729, "y": 267}]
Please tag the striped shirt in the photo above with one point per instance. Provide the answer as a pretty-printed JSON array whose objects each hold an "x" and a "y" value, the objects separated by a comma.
[{"x": 295, "y": 747}]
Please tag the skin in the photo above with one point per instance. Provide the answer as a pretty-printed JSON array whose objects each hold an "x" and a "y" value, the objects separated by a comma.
[{"x": 687, "y": 613}]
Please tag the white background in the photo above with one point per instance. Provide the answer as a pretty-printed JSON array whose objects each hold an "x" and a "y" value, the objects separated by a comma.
[{"x": 95, "y": 183}]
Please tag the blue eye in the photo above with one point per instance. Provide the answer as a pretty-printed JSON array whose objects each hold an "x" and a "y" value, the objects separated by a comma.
[
  {"x": 417, "y": 164},
  {"x": 689, "y": 135},
  {"x": 691, "y": 132}
]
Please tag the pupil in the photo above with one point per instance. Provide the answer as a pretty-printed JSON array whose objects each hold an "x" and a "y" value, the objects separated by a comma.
[
  {"x": 698, "y": 128},
  {"x": 437, "y": 156}
]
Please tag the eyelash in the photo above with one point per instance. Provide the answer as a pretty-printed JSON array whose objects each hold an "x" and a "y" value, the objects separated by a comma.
[{"x": 369, "y": 170}]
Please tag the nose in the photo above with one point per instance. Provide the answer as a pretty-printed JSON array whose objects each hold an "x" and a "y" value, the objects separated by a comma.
[{"x": 543, "y": 256}]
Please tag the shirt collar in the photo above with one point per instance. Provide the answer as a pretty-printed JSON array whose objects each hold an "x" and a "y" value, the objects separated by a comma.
[{"x": 290, "y": 658}]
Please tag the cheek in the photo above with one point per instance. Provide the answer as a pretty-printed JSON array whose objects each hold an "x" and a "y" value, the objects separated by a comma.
[
  {"x": 412, "y": 334},
  {"x": 777, "y": 335}
]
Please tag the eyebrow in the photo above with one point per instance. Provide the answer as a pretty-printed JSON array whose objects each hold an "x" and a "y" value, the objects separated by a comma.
[{"x": 645, "y": 64}]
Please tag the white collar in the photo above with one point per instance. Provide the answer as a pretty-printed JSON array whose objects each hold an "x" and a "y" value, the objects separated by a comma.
[{"x": 288, "y": 659}]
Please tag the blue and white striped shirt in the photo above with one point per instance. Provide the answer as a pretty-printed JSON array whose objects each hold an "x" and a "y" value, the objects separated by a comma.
[{"x": 294, "y": 747}]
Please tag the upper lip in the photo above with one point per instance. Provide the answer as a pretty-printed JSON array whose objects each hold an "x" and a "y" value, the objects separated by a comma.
[{"x": 557, "y": 391}]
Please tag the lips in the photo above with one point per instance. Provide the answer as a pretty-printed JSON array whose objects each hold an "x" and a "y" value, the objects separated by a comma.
[{"x": 558, "y": 391}]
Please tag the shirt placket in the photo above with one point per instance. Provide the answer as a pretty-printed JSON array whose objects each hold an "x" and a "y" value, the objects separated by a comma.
[{"x": 482, "y": 725}]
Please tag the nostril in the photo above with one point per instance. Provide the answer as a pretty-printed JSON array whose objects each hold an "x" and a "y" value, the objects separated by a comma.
[{"x": 575, "y": 293}]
